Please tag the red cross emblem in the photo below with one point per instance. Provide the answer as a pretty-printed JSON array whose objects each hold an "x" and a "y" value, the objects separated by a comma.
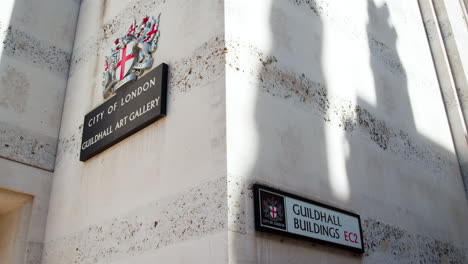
[
  {"x": 151, "y": 33},
  {"x": 273, "y": 211},
  {"x": 125, "y": 62}
]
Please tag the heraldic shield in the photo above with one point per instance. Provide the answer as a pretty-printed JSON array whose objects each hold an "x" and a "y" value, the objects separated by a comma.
[
  {"x": 126, "y": 60},
  {"x": 131, "y": 55}
]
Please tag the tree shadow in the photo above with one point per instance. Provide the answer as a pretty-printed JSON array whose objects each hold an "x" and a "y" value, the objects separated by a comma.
[
  {"x": 303, "y": 133},
  {"x": 284, "y": 103},
  {"x": 291, "y": 118},
  {"x": 399, "y": 171}
]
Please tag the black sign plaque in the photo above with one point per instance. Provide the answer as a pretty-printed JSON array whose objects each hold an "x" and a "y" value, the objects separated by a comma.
[
  {"x": 290, "y": 215},
  {"x": 133, "y": 107}
]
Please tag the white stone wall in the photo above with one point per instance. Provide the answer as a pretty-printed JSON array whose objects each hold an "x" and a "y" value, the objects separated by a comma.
[
  {"x": 331, "y": 100},
  {"x": 159, "y": 195},
  {"x": 36, "y": 39},
  {"x": 338, "y": 101}
]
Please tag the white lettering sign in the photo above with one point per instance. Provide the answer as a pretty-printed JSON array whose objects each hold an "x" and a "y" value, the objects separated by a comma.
[
  {"x": 280, "y": 212},
  {"x": 318, "y": 222}
]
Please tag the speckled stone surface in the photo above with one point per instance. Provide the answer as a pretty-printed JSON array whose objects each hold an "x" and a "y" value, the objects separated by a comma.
[
  {"x": 18, "y": 142},
  {"x": 276, "y": 81},
  {"x": 15, "y": 97},
  {"x": 22, "y": 46},
  {"x": 205, "y": 65},
  {"x": 29, "y": 148},
  {"x": 384, "y": 243},
  {"x": 193, "y": 213}
]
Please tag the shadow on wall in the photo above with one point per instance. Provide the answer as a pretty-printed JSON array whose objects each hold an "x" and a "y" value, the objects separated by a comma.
[
  {"x": 284, "y": 157},
  {"x": 400, "y": 170},
  {"x": 295, "y": 118},
  {"x": 291, "y": 115}
]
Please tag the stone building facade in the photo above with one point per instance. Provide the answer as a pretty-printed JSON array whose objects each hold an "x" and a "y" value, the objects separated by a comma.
[{"x": 356, "y": 104}]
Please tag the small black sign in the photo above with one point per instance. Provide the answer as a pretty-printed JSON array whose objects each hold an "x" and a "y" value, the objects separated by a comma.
[
  {"x": 133, "y": 107},
  {"x": 286, "y": 214}
]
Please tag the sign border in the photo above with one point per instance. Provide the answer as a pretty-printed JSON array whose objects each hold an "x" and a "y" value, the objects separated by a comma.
[
  {"x": 256, "y": 193},
  {"x": 164, "y": 68}
]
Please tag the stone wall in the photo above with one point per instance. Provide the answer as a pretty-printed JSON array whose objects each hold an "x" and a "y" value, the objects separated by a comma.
[
  {"x": 37, "y": 40},
  {"x": 35, "y": 49},
  {"x": 160, "y": 193},
  {"x": 339, "y": 102}
]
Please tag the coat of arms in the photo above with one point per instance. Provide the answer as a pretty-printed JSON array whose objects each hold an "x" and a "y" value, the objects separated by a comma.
[
  {"x": 273, "y": 209},
  {"x": 131, "y": 55}
]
